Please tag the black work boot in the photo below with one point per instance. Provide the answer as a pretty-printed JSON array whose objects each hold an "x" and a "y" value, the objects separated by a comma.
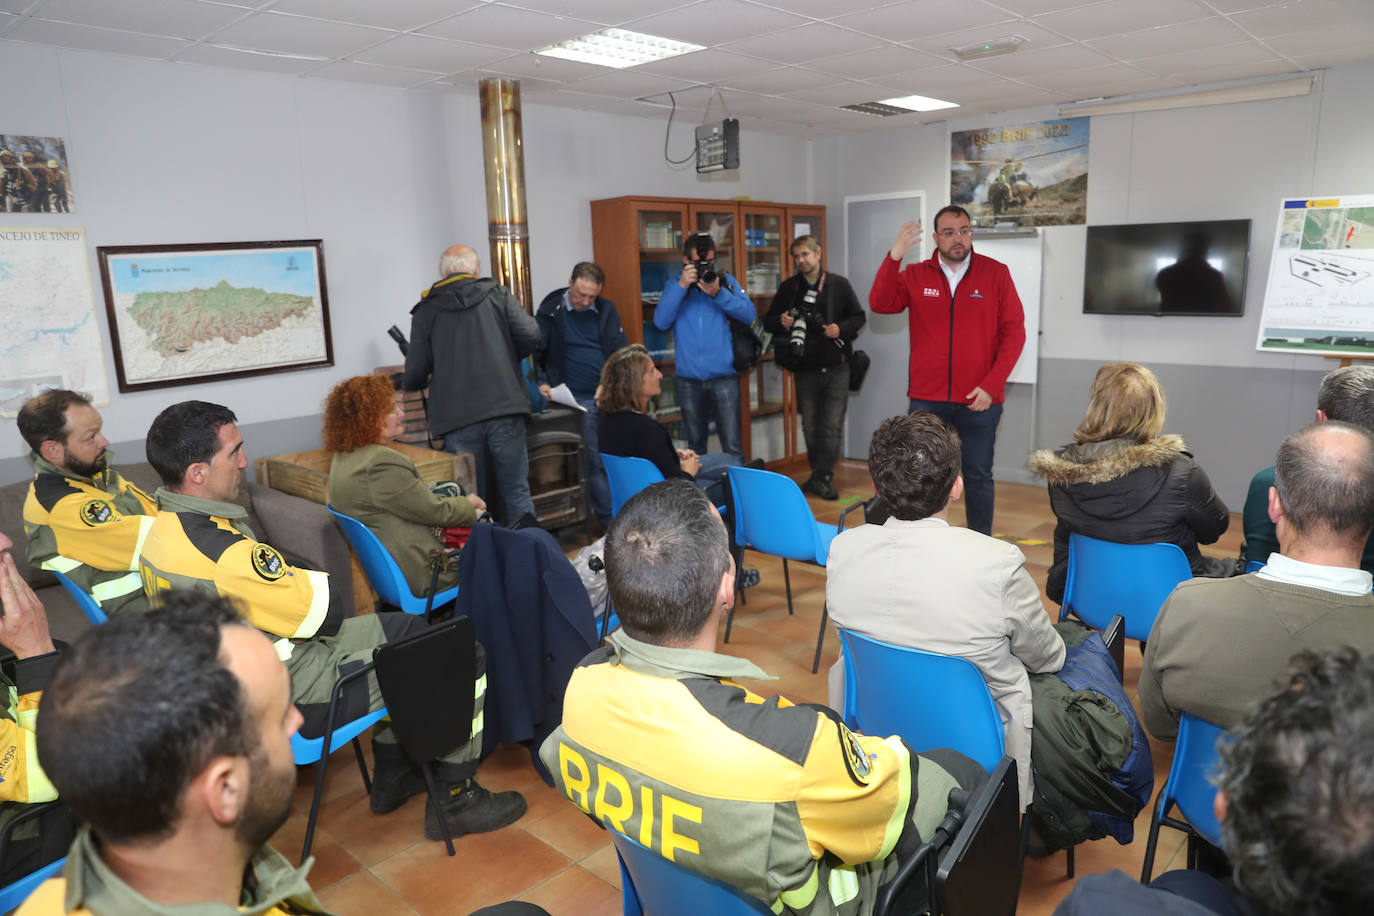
[
  {"x": 394, "y": 778},
  {"x": 820, "y": 485},
  {"x": 472, "y": 809}
]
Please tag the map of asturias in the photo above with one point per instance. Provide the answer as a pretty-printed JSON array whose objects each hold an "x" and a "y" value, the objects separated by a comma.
[
  {"x": 51, "y": 338},
  {"x": 189, "y": 314}
]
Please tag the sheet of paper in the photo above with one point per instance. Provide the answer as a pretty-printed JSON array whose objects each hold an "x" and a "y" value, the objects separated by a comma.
[{"x": 562, "y": 394}]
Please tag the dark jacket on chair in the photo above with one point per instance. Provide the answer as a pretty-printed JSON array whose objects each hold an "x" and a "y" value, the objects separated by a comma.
[
  {"x": 532, "y": 615},
  {"x": 1132, "y": 493}
]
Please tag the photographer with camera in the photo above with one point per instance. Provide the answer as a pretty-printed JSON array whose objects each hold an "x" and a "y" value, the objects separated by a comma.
[
  {"x": 814, "y": 318},
  {"x": 695, "y": 307}
]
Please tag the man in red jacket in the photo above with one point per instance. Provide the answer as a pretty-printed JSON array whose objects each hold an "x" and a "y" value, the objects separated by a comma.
[{"x": 967, "y": 330}]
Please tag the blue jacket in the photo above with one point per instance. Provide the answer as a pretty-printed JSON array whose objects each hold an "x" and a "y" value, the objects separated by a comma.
[
  {"x": 549, "y": 357},
  {"x": 701, "y": 332}
]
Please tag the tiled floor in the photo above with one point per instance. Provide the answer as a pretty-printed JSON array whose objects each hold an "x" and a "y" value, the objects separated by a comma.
[{"x": 555, "y": 857}]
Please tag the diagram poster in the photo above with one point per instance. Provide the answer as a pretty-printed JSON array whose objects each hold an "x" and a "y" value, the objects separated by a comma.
[{"x": 1320, "y": 295}]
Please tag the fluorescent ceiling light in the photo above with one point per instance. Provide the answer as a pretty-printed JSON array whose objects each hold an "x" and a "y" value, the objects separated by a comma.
[
  {"x": 1252, "y": 92},
  {"x": 981, "y": 49},
  {"x": 918, "y": 103},
  {"x": 618, "y": 48}
]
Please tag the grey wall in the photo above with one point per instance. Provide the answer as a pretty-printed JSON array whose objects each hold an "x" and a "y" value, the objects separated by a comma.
[{"x": 1230, "y": 402}]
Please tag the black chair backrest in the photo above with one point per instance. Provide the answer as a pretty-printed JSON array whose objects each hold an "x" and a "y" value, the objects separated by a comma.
[
  {"x": 980, "y": 872},
  {"x": 427, "y": 682}
]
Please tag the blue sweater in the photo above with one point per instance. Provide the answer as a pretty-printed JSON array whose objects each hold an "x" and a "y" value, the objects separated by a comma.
[{"x": 700, "y": 329}]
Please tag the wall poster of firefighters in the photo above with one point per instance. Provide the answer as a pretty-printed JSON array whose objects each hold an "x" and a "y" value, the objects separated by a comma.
[
  {"x": 34, "y": 176},
  {"x": 1021, "y": 175}
]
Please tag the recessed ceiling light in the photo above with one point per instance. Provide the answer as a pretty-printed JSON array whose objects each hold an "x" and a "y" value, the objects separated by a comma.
[
  {"x": 981, "y": 49},
  {"x": 618, "y": 48},
  {"x": 919, "y": 103}
]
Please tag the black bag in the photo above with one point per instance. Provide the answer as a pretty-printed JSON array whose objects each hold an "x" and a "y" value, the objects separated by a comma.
[
  {"x": 858, "y": 368},
  {"x": 747, "y": 345}
]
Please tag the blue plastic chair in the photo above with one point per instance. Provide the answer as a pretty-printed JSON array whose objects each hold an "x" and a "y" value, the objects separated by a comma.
[
  {"x": 772, "y": 516},
  {"x": 382, "y": 572},
  {"x": 1133, "y": 580},
  {"x": 14, "y": 894},
  {"x": 627, "y": 476},
  {"x": 965, "y": 717},
  {"x": 317, "y": 750},
  {"x": 649, "y": 882},
  {"x": 1190, "y": 788},
  {"x": 88, "y": 605},
  {"x": 1254, "y": 566}
]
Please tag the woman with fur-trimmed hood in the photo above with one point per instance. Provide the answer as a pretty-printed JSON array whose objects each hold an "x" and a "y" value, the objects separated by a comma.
[{"x": 1122, "y": 481}]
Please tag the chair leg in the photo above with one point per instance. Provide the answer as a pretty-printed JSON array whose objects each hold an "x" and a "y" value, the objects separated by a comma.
[
  {"x": 787, "y": 581},
  {"x": 820, "y": 639},
  {"x": 1149, "y": 865},
  {"x": 729, "y": 622},
  {"x": 362, "y": 766},
  {"x": 1068, "y": 855},
  {"x": 320, "y": 766},
  {"x": 433, "y": 787},
  {"x": 738, "y": 553}
]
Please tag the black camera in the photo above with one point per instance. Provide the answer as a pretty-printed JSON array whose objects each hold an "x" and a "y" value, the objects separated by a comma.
[
  {"x": 801, "y": 319},
  {"x": 706, "y": 270}
]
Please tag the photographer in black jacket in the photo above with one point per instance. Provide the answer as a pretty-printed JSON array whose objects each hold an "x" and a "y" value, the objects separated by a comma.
[{"x": 814, "y": 317}]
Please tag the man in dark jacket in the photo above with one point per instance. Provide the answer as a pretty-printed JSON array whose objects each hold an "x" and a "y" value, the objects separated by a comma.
[
  {"x": 578, "y": 329},
  {"x": 832, "y": 317},
  {"x": 967, "y": 331},
  {"x": 467, "y": 337}
]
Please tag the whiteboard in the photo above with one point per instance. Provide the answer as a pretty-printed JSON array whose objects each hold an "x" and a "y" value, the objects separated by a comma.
[{"x": 1022, "y": 253}]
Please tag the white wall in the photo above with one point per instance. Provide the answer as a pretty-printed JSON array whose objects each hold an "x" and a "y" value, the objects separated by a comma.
[{"x": 164, "y": 153}]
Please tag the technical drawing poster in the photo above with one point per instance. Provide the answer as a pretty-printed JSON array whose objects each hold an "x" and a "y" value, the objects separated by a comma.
[{"x": 1320, "y": 295}]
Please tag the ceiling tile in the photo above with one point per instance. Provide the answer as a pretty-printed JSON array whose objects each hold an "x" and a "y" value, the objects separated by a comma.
[
  {"x": 367, "y": 73},
  {"x": 1191, "y": 36},
  {"x": 1075, "y": 79},
  {"x": 214, "y": 56},
  {"x": 423, "y": 53},
  {"x": 943, "y": 82},
  {"x": 708, "y": 66},
  {"x": 711, "y": 21},
  {"x": 507, "y": 27},
  {"x": 537, "y": 66},
  {"x": 1236, "y": 6},
  {"x": 1227, "y": 72},
  {"x": 1028, "y": 63},
  {"x": 1106, "y": 89},
  {"x": 174, "y": 18},
  {"x": 86, "y": 38},
  {"x": 1040, "y": 7},
  {"x": 760, "y": 106},
  {"x": 914, "y": 19},
  {"x": 1036, "y": 38},
  {"x": 1117, "y": 16},
  {"x": 393, "y": 14},
  {"x": 624, "y": 83},
  {"x": 804, "y": 44},
  {"x": 1243, "y": 54},
  {"x": 606, "y": 12},
  {"x": 1303, "y": 16},
  {"x": 298, "y": 35},
  {"x": 821, "y": 9},
  {"x": 1342, "y": 37},
  {"x": 1318, "y": 60},
  {"x": 842, "y": 92},
  {"x": 777, "y": 81},
  {"x": 876, "y": 62},
  {"x": 18, "y": 6}
]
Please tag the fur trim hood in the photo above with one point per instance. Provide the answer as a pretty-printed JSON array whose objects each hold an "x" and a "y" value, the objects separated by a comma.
[{"x": 1099, "y": 462}]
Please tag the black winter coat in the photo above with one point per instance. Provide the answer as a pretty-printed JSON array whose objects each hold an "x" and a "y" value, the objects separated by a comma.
[{"x": 1132, "y": 493}]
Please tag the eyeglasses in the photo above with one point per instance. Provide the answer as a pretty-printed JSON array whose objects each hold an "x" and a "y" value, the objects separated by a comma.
[{"x": 951, "y": 233}]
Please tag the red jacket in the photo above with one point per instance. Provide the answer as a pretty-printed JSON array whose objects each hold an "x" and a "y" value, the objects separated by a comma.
[{"x": 959, "y": 343}]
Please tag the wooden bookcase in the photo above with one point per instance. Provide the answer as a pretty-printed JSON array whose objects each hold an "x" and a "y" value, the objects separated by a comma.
[{"x": 638, "y": 242}]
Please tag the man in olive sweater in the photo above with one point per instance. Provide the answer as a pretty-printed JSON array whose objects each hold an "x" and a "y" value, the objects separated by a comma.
[{"x": 1219, "y": 645}]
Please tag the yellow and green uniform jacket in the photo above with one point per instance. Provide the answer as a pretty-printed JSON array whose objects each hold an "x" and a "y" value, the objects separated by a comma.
[
  {"x": 204, "y": 544},
  {"x": 779, "y": 800},
  {"x": 87, "y": 887},
  {"x": 90, "y": 530}
]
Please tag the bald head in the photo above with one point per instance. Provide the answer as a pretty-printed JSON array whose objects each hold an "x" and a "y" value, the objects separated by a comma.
[
  {"x": 458, "y": 259},
  {"x": 1324, "y": 476}
]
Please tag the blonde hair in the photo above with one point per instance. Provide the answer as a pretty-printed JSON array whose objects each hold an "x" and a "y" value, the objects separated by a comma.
[
  {"x": 1125, "y": 402},
  {"x": 622, "y": 380}
]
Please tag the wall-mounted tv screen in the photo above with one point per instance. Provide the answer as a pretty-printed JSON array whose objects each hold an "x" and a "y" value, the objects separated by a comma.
[{"x": 1193, "y": 268}]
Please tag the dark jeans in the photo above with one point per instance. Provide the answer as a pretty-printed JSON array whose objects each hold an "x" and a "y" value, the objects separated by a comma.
[
  {"x": 977, "y": 435},
  {"x": 822, "y": 398},
  {"x": 504, "y": 439},
  {"x": 700, "y": 401}
]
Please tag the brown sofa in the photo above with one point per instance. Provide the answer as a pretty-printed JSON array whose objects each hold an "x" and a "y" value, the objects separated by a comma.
[{"x": 300, "y": 528}]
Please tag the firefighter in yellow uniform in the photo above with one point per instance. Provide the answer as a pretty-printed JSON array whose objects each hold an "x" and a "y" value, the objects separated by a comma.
[
  {"x": 81, "y": 517},
  {"x": 662, "y": 744}
]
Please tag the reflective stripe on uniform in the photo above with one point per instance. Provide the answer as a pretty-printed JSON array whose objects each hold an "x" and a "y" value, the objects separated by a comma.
[
  {"x": 799, "y": 898},
  {"x": 116, "y": 588},
  {"x": 479, "y": 688},
  {"x": 145, "y": 524},
  {"x": 61, "y": 564},
  {"x": 844, "y": 885},
  {"x": 284, "y": 648},
  {"x": 319, "y": 603}
]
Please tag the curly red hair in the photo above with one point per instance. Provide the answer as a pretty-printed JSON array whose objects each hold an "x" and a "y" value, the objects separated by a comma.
[{"x": 354, "y": 411}]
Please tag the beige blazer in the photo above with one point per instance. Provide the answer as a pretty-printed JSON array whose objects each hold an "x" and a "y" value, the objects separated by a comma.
[{"x": 954, "y": 591}]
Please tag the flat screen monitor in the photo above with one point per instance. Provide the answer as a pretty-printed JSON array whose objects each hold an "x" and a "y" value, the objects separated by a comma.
[{"x": 1193, "y": 268}]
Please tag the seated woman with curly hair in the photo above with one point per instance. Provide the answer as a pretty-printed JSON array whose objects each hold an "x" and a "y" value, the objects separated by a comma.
[
  {"x": 628, "y": 380},
  {"x": 382, "y": 488}
]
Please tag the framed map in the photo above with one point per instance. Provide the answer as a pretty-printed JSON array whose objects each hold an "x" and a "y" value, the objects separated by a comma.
[{"x": 184, "y": 314}]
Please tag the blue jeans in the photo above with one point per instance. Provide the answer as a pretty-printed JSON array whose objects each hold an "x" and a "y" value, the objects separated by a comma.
[
  {"x": 702, "y": 400},
  {"x": 712, "y": 472},
  {"x": 504, "y": 439},
  {"x": 598, "y": 487},
  {"x": 977, "y": 435}
]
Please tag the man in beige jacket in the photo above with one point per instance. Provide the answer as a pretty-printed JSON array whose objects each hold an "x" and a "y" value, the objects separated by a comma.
[{"x": 916, "y": 581}]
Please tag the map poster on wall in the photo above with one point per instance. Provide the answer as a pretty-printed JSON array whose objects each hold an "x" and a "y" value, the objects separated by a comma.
[
  {"x": 183, "y": 314},
  {"x": 33, "y": 175},
  {"x": 51, "y": 338},
  {"x": 1320, "y": 296},
  {"x": 1022, "y": 175}
]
